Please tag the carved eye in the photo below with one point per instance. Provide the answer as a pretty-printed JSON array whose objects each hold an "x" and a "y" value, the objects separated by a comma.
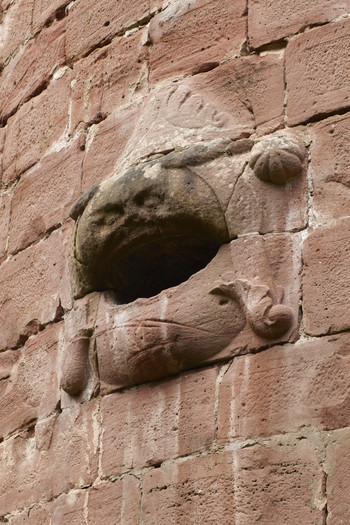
[{"x": 149, "y": 199}]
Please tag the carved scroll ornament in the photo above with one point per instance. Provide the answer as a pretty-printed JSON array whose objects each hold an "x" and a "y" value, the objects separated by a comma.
[{"x": 158, "y": 285}]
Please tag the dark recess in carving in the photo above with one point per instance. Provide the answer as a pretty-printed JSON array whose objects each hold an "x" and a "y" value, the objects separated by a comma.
[
  {"x": 159, "y": 265},
  {"x": 145, "y": 232}
]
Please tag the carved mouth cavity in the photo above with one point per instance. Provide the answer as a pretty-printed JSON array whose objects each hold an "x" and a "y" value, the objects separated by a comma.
[{"x": 144, "y": 232}]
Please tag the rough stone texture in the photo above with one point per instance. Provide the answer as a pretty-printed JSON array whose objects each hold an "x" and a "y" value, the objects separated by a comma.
[
  {"x": 32, "y": 391},
  {"x": 286, "y": 388},
  {"x": 316, "y": 67},
  {"x": 28, "y": 73},
  {"x": 44, "y": 195},
  {"x": 68, "y": 509},
  {"x": 259, "y": 207},
  {"x": 107, "y": 78},
  {"x": 16, "y": 26},
  {"x": 196, "y": 32},
  {"x": 35, "y": 127},
  {"x": 196, "y": 490},
  {"x": 158, "y": 421},
  {"x": 337, "y": 469},
  {"x": 279, "y": 485},
  {"x": 330, "y": 153},
  {"x": 326, "y": 256},
  {"x": 5, "y": 208},
  {"x": 30, "y": 288},
  {"x": 106, "y": 144},
  {"x": 90, "y": 22},
  {"x": 45, "y": 11},
  {"x": 229, "y": 101},
  {"x": 266, "y": 25},
  {"x": 64, "y": 444},
  {"x": 117, "y": 502},
  {"x": 257, "y": 430}
]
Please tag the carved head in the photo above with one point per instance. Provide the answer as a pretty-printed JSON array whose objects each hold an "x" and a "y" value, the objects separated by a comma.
[{"x": 171, "y": 286}]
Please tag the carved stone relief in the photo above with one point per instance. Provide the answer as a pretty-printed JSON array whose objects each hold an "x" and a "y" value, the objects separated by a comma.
[{"x": 160, "y": 280}]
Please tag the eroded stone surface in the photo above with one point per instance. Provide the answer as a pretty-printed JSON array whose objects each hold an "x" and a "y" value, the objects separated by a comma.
[
  {"x": 31, "y": 286},
  {"x": 196, "y": 32},
  {"x": 265, "y": 23},
  {"x": 32, "y": 389},
  {"x": 337, "y": 469},
  {"x": 159, "y": 421},
  {"x": 65, "y": 444},
  {"x": 44, "y": 195},
  {"x": 91, "y": 22},
  {"x": 286, "y": 388},
  {"x": 278, "y": 159},
  {"x": 16, "y": 26},
  {"x": 35, "y": 127},
  {"x": 316, "y": 67},
  {"x": 198, "y": 490},
  {"x": 45, "y": 11},
  {"x": 30, "y": 70},
  {"x": 278, "y": 484},
  {"x": 326, "y": 279},
  {"x": 330, "y": 153},
  {"x": 118, "y": 67}
]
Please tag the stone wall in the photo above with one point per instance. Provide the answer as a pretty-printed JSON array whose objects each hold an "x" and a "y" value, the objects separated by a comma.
[{"x": 259, "y": 433}]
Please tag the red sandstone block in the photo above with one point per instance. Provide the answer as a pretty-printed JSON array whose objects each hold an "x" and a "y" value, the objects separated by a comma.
[
  {"x": 271, "y": 21},
  {"x": 279, "y": 485},
  {"x": 285, "y": 388},
  {"x": 197, "y": 490},
  {"x": 250, "y": 86},
  {"x": 15, "y": 26},
  {"x": 231, "y": 101},
  {"x": 337, "y": 467},
  {"x": 2, "y": 142},
  {"x": 106, "y": 79},
  {"x": 154, "y": 422},
  {"x": 91, "y": 22},
  {"x": 44, "y": 195},
  {"x": 45, "y": 11},
  {"x": 35, "y": 127},
  {"x": 317, "y": 65},
  {"x": 108, "y": 144},
  {"x": 32, "y": 390},
  {"x": 259, "y": 207},
  {"x": 190, "y": 37},
  {"x": 67, "y": 509},
  {"x": 330, "y": 153},
  {"x": 7, "y": 361},
  {"x": 30, "y": 287},
  {"x": 5, "y": 208},
  {"x": 60, "y": 454},
  {"x": 118, "y": 502},
  {"x": 37, "y": 514},
  {"x": 326, "y": 283},
  {"x": 5, "y": 5},
  {"x": 31, "y": 69}
]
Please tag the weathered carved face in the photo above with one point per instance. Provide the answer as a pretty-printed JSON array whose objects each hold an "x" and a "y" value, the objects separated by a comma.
[{"x": 161, "y": 282}]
